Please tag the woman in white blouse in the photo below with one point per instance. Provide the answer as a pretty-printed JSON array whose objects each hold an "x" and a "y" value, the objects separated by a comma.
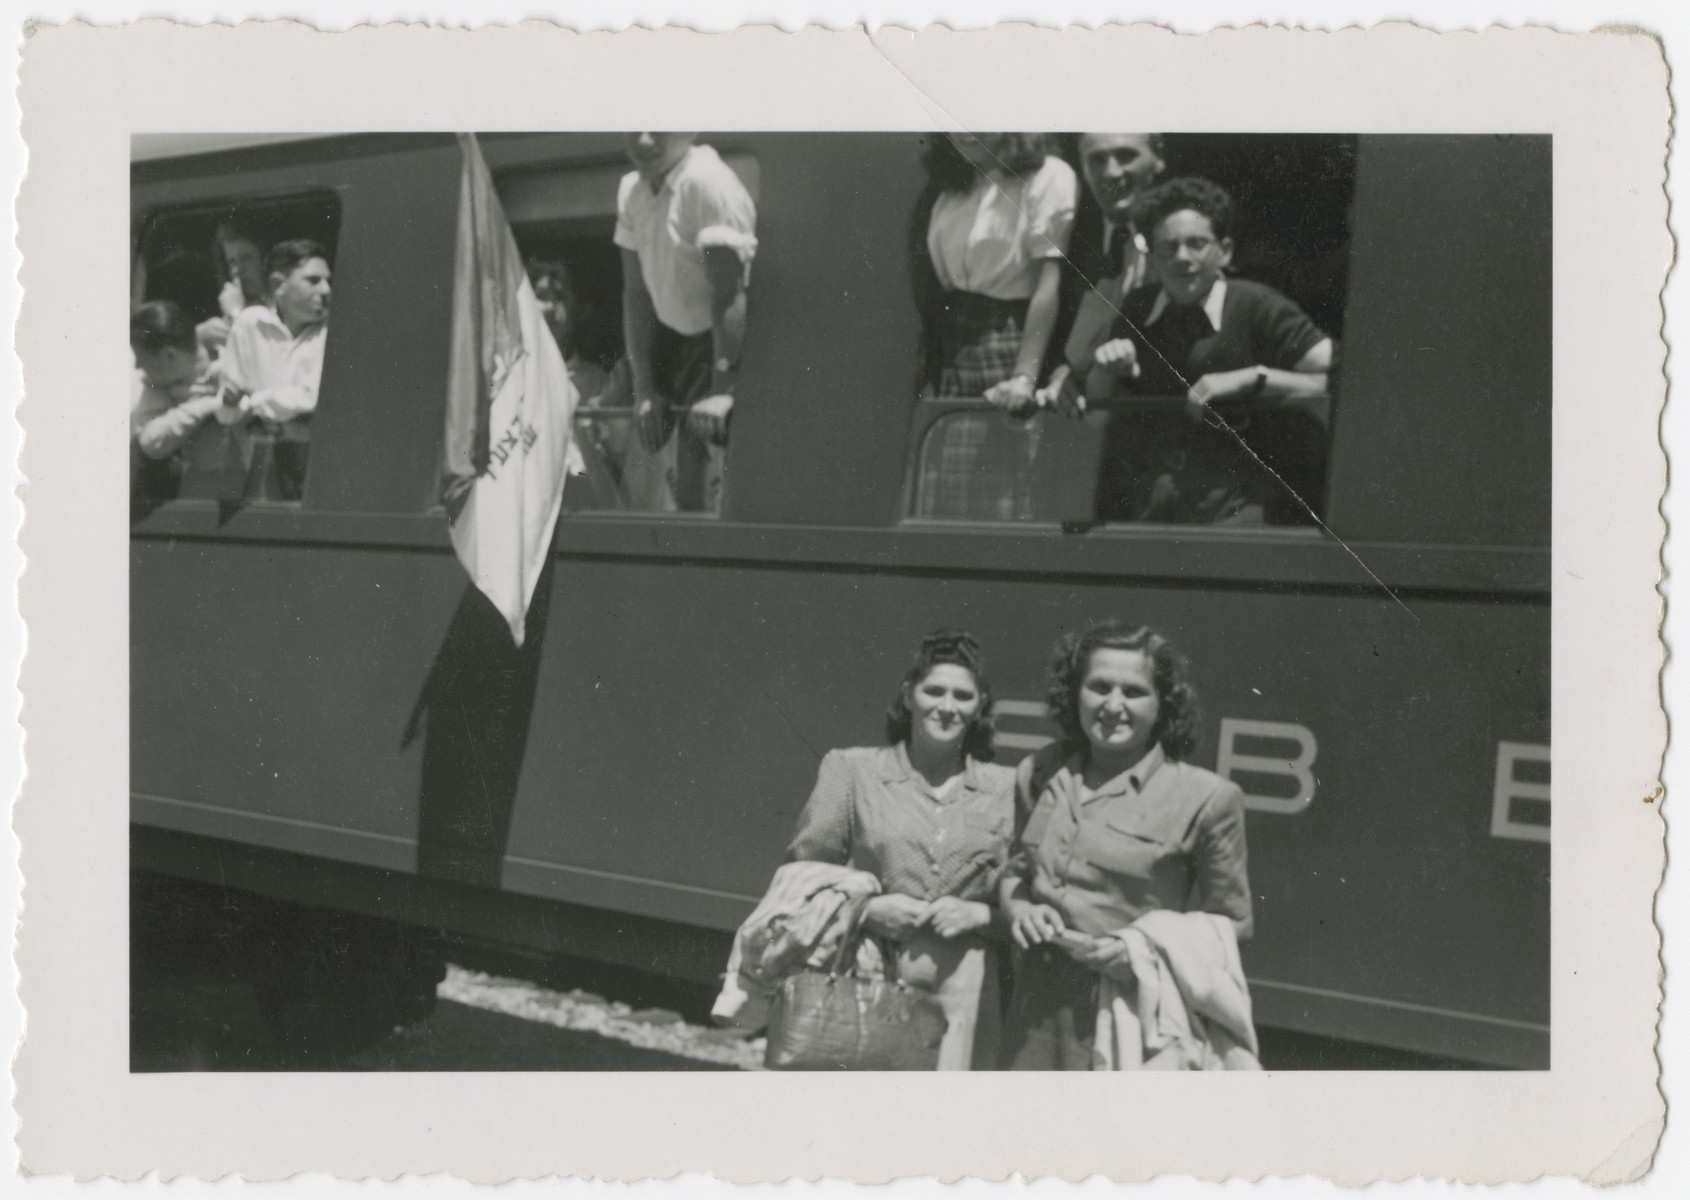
[{"x": 993, "y": 228}]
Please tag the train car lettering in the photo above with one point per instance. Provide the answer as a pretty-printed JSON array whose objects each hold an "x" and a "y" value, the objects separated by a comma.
[
  {"x": 1517, "y": 802},
  {"x": 1259, "y": 767}
]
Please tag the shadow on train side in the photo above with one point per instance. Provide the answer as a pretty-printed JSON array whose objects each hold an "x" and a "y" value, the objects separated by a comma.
[{"x": 473, "y": 715}]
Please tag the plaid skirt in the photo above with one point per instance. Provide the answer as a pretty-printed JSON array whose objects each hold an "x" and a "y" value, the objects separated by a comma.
[
  {"x": 979, "y": 340},
  {"x": 978, "y": 466}
]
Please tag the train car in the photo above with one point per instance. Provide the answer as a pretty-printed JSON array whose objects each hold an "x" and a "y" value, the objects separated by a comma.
[{"x": 324, "y": 712}]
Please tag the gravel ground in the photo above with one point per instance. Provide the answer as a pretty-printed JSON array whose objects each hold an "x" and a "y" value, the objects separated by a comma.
[
  {"x": 456, "y": 1037},
  {"x": 658, "y": 1029}
]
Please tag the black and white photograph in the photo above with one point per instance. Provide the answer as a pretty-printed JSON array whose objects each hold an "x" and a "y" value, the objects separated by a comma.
[
  {"x": 1082, "y": 583},
  {"x": 646, "y": 615}
]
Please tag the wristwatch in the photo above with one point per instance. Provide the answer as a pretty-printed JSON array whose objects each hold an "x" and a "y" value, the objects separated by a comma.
[{"x": 1261, "y": 380}]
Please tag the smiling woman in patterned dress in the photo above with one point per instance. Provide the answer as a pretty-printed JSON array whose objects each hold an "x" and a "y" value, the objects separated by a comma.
[{"x": 930, "y": 817}]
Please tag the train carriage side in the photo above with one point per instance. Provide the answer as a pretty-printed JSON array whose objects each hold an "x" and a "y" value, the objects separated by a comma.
[{"x": 352, "y": 732}]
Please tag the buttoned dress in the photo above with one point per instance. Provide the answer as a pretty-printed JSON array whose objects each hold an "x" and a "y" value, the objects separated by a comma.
[
  {"x": 1162, "y": 835},
  {"x": 871, "y": 810}
]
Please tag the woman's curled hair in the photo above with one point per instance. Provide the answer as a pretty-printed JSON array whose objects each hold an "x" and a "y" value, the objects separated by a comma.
[
  {"x": 941, "y": 647},
  {"x": 1178, "y": 716}
]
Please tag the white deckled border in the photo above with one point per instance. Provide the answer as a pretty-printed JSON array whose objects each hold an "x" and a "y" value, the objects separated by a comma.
[{"x": 1595, "y": 1114}]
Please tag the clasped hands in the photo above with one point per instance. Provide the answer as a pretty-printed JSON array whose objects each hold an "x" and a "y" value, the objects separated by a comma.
[
  {"x": 897, "y": 916},
  {"x": 1032, "y": 924},
  {"x": 1017, "y": 395}
]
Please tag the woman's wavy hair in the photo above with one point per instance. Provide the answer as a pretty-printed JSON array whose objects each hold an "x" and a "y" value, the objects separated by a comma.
[
  {"x": 1020, "y": 153},
  {"x": 1178, "y": 718},
  {"x": 958, "y": 648}
]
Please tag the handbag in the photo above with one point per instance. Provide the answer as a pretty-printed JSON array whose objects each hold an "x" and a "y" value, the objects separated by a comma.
[{"x": 833, "y": 1021}]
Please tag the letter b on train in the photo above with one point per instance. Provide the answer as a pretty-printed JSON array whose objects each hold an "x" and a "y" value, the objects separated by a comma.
[{"x": 1272, "y": 761}]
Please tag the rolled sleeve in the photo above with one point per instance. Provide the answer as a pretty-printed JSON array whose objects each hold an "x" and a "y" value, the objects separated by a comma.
[
  {"x": 722, "y": 206},
  {"x": 1050, "y": 204},
  {"x": 726, "y": 237},
  {"x": 161, "y": 434},
  {"x": 717, "y": 211}
]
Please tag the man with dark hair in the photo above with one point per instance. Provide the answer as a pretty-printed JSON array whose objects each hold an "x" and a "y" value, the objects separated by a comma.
[
  {"x": 273, "y": 361},
  {"x": 175, "y": 389},
  {"x": 1108, "y": 257},
  {"x": 274, "y": 357},
  {"x": 1117, "y": 168},
  {"x": 1249, "y": 362}
]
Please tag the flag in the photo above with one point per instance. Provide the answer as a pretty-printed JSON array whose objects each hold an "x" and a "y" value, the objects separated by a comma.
[{"x": 509, "y": 403}]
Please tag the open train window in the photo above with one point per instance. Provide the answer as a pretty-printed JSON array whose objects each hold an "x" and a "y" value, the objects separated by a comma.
[
  {"x": 230, "y": 303},
  {"x": 1143, "y": 452},
  {"x": 564, "y": 218}
]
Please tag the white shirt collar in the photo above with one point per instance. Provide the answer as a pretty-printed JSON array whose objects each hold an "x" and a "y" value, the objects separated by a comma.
[
  {"x": 1133, "y": 780},
  {"x": 273, "y": 319},
  {"x": 1213, "y": 304}
]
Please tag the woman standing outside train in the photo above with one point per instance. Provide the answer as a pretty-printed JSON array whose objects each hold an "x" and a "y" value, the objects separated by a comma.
[
  {"x": 1115, "y": 825},
  {"x": 930, "y": 816},
  {"x": 990, "y": 235}
]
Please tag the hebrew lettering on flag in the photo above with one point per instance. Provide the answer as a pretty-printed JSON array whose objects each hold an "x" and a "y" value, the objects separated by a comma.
[{"x": 509, "y": 403}]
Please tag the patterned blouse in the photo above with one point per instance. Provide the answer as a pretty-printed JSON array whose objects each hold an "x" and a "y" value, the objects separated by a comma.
[{"x": 873, "y": 811}]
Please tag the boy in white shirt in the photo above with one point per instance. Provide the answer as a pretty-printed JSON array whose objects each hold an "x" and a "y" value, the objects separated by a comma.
[{"x": 273, "y": 361}]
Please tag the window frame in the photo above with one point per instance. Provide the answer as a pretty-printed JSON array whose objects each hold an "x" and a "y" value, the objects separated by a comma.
[{"x": 146, "y": 223}]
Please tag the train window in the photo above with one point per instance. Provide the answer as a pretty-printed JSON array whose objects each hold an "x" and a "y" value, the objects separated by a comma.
[
  {"x": 981, "y": 466},
  {"x": 1215, "y": 409},
  {"x": 1119, "y": 466},
  {"x": 564, "y": 220},
  {"x": 230, "y": 303}
]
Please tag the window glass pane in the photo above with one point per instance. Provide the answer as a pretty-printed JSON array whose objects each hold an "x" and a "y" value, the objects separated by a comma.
[
  {"x": 621, "y": 475},
  {"x": 1150, "y": 462},
  {"x": 978, "y": 465},
  {"x": 229, "y": 327}
]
